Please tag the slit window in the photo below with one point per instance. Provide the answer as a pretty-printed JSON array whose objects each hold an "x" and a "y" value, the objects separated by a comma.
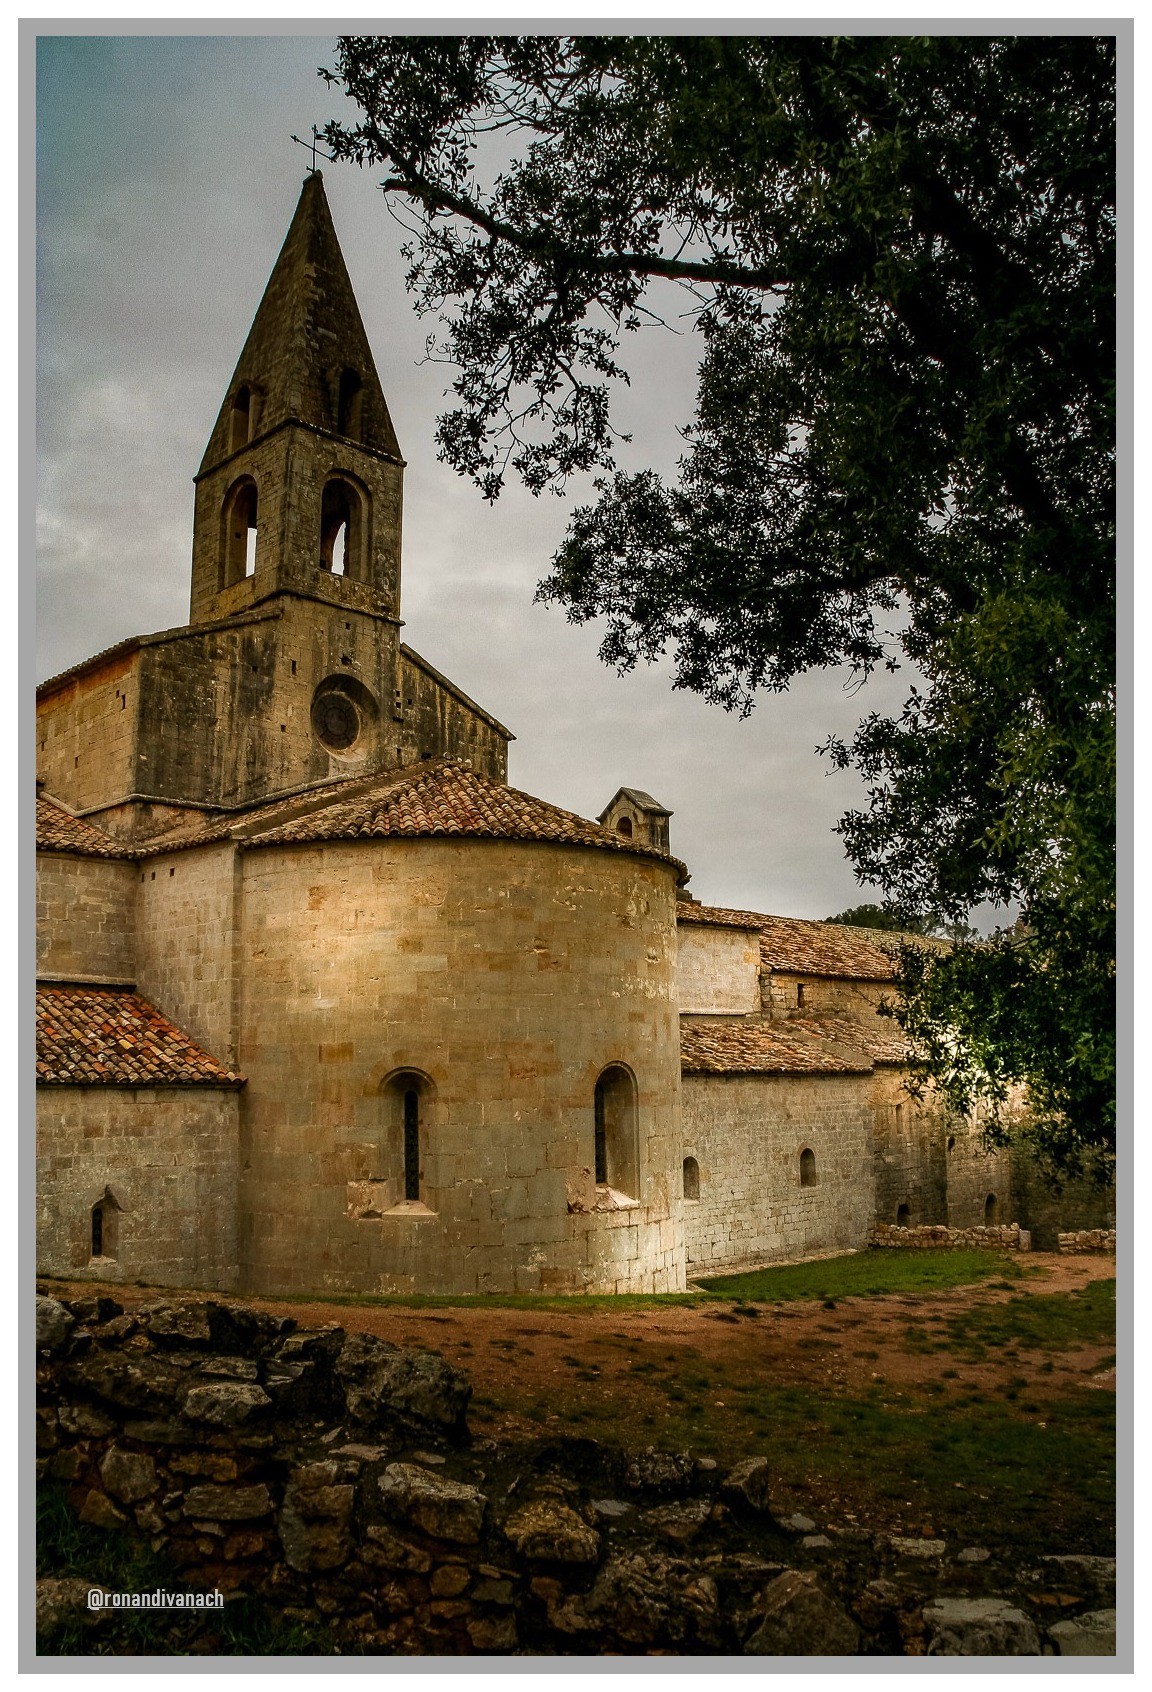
[
  {"x": 411, "y": 1143},
  {"x": 807, "y": 1167},
  {"x": 350, "y": 406},
  {"x": 991, "y": 1211},
  {"x": 691, "y": 1178},
  {"x": 903, "y": 1216}
]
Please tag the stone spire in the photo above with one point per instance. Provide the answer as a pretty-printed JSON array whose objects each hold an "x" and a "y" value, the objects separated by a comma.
[
  {"x": 307, "y": 358},
  {"x": 300, "y": 489}
]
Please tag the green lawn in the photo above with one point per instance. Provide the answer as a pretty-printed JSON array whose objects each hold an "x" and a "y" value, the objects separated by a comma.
[{"x": 866, "y": 1272}]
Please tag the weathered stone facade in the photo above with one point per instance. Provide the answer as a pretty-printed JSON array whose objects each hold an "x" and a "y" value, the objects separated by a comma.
[
  {"x": 759, "y": 1199},
  {"x": 163, "y": 1162}
]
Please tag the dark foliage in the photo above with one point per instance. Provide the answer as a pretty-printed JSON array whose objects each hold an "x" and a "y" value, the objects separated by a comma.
[{"x": 900, "y": 256}]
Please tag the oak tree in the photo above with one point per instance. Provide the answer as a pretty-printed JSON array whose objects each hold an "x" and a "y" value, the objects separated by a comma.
[{"x": 898, "y": 253}]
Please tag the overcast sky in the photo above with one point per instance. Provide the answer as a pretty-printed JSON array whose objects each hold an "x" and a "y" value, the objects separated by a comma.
[{"x": 166, "y": 182}]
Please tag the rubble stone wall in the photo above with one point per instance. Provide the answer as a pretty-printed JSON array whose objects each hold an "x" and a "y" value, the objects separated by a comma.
[
  {"x": 1087, "y": 1239},
  {"x": 1007, "y": 1237},
  {"x": 332, "y": 1477}
]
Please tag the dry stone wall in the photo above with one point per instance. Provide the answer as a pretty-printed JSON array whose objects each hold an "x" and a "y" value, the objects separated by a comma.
[
  {"x": 1087, "y": 1240},
  {"x": 1007, "y": 1237},
  {"x": 331, "y": 1477}
]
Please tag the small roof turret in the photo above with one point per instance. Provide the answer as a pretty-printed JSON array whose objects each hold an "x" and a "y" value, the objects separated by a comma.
[{"x": 637, "y": 816}]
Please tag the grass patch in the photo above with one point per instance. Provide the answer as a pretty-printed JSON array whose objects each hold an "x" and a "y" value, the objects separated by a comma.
[
  {"x": 863, "y": 1273},
  {"x": 1041, "y": 1322}
]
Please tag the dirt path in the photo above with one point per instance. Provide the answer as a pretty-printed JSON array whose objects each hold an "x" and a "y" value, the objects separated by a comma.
[{"x": 533, "y": 1367}]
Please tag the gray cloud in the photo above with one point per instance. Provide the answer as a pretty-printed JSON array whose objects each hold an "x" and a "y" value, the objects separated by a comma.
[{"x": 166, "y": 183}]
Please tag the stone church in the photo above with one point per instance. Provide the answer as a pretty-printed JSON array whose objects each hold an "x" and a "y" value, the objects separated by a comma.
[{"x": 324, "y": 1004}]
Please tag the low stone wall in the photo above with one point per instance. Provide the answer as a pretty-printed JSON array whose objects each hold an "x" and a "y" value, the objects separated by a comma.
[
  {"x": 331, "y": 1477},
  {"x": 1087, "y": 1239},
  {"x": 1009, "y": 1237}
]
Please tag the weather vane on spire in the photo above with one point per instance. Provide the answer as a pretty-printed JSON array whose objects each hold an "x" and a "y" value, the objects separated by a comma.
[{"x": 316, "y": 133}]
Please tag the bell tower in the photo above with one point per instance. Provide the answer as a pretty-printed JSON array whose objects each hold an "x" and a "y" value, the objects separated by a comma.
[
  {"x": 301, "y": 485},
  {"x": 290, "y": 673}
]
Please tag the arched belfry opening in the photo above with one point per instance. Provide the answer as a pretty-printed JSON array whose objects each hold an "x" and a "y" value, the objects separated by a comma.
[
  {"x": 240, "y": 527},
  {"x": 350, "y": 406},
  {"x": 344, "y": 528},
  {"x": 616, "y": 1151}
]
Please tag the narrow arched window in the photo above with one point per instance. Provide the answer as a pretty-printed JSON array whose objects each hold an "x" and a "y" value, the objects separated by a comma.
[
  {"x": 624, "y": 827},
  {"x": 406, "y": 1101},
  {"x": 991, "y": 1211},
  {"x": 691, "y": 1178},
  {"x": 951, "y": 1143},
  {"x": 807, "y": 1168},
  {"x": 240, "y": 525},
  {"x": 903, "y": 1216},
  {"x": 614, "y": 1114},
  {"x": 350, "y": 406},
  {"x": 104, "y": 1222},
  {"x": 411, "y": 1143},
  {"x": 344, "y": 528},
  {"x": 801, "y": 992},
  {"x": 899, "y": 1118}
]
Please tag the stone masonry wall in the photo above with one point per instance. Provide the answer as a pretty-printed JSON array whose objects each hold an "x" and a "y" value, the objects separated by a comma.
[
  {"x": 746, "y": 1133},
  {"x": 505, "y": 977},
  {"x": 717, "y": 969},
  {"x": 86, "y": 734},
  {"x": 975, "y": 1174},
  {"x": 85, "y": 917},
  {"x": 1008, "y": 1237},
  {"x": 1050, "y": 1212},
  {"x": 910, "y": 1139},
  {"x": 438, "y": 721},
  {"x": 186, "y": 958},
  {"x": 780, "y": 995},
  {"x": 166, "y": 1155}
]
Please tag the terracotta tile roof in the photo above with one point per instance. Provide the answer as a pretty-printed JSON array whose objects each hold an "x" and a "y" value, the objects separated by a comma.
[
  {"x": 799, "y": 946},
  {"x": 759, "y": 1046},
  {"x": 57, "y": 830},
  {"x": 878, "y": 1037},
  {"x": 443, "y": 798},
  {"x": 715, "y": 917},
  {"x": 240, "y": 824},
  {"x": 111, "y": 1037}
]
